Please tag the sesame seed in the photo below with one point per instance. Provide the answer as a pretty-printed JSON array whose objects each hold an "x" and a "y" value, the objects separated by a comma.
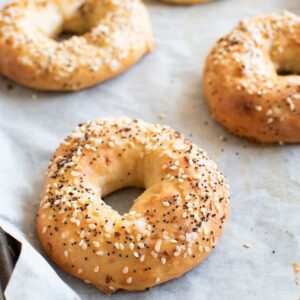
[
  {"x": 74, "y": 173},
  {"x": 141, "y": 245},
  {"x": 258, "y": 107},
  {"x": 96, "y": 244},
  {"x": 92, "y": 226},
  {"x": 142, "y": 258},
  {"x": 129, "y": 280},
  {"x": 64, "y": 235},
  {"x": 166, "y": 203},
  {"x": 46, "y": 205},
  {"x": 154, "y": 254},
  {"x": 157, "y": 245},
  {"x": 131, "y": 246},
  {"x": 291, "y": 104}
]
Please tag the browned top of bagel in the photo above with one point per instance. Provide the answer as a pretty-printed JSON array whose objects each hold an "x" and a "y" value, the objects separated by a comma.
[{"x": 246, "y": 80}]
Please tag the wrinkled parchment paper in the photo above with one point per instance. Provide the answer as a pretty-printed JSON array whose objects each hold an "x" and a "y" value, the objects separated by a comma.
[{"x": 264, "y": 180}]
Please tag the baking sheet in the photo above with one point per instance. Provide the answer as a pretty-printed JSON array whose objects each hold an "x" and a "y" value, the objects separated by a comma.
[{"x": 264, "y": 180}]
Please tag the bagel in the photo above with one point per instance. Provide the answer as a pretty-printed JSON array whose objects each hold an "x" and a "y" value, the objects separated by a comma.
[
  {"x": 169, "y": 229},
  {"x": 251, "y": 79},
  {"x": 109, "y": 37}
]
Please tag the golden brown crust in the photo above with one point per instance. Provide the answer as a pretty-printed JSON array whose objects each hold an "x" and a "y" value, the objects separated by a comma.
[
  {"x": 242, "y": 84},
  {"x": 170, "y": 228},
  {"x": 112, "y": 36}
]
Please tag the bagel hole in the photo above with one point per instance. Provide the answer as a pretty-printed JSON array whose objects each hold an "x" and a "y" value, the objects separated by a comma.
[
  {"x": 64, "y": 36},
  {"x": 69, "y": 30},
  {"x": 285, "y": 60},
  {"x": 122, "y": 200},
  {"x": 67, "y": 34},
  {"x": 284, "y": 72}
]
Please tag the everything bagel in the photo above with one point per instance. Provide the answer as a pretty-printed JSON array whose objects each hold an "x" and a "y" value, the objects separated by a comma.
[
  {"x": 251, "y": 79},
  {"x": 169, "y": 229},
  {"x": 111, "y": 36}
]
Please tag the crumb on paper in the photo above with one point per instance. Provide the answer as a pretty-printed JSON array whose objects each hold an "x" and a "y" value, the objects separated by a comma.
[
  {"x": 290, "y": 235},
  {"x": 246, "y": 245},
  {"x": 161, "y": 116},
  {"x": 34, "y": 96},
  {"x": 296, "y": 267}
]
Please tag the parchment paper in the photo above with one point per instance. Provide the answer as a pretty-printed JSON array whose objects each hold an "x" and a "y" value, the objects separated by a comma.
[{"x": 264, "y": 180}]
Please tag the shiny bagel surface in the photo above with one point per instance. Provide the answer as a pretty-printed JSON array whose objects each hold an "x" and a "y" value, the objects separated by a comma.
[{"x": 251, "y": 79}]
